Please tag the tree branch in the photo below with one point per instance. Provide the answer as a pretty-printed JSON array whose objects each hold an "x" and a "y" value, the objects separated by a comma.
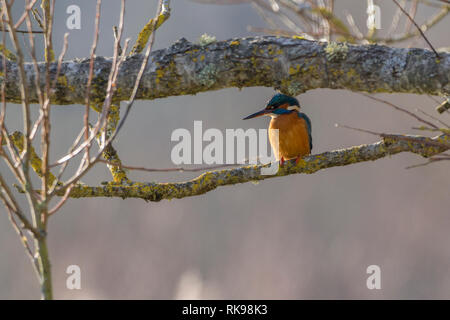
[
  {"x": 209, "y": 181},
  {"x": 291, "y": 65}
]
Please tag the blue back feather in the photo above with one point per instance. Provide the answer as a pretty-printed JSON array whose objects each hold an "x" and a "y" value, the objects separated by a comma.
[{"x": 309, "y": 127}]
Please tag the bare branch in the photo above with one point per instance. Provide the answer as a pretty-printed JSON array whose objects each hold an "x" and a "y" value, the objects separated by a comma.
[{"x": 106, "y": 106}]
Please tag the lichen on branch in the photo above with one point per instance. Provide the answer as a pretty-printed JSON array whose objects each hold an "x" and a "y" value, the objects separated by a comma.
[
  {"x": 208, "y": 181},
  {"x": 150, "y": 27},
  {"x": 291, "y": 65}
]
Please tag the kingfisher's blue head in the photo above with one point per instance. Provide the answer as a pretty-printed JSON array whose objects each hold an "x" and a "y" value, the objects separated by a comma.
[{"x": 278, "y": 105}]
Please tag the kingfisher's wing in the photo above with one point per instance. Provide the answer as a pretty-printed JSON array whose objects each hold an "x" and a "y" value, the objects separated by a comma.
[{"x": 308, "y": 124}]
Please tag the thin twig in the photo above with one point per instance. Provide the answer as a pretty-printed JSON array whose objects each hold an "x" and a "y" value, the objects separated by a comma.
[
  {"x": 180, "y": 169},
  {"x": 431, "y": 160},
  {"x": 400, "y": 109},
  {"x": 24, "y": 241},
  {"x": 90, "y": 77},
  {"x": 29, "y": 6},
  {"x": 395, "y": 20},
  {"x": 433, "y": 117},
  {"x": 417, "y": 26},
  {"x": 80, "y": 173},
  {"x": 25, "y": 104},
  {"x": 428, "y": 142},
  {"x": 412, "y": 13}
]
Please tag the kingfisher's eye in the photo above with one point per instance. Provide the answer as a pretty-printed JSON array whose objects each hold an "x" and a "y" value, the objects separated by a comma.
[{"x": 271, "y": 107}]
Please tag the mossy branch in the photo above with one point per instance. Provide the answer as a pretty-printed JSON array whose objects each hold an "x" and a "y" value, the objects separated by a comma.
[
  {"x": 110, "y": 154},
  {"x": 17, "y": 139},
  {"x": 151, "y": 27},
  {"x": 8, "y": 54},
  {"x": 209, "y": 181},
  {"x": 291, "y": 65}
]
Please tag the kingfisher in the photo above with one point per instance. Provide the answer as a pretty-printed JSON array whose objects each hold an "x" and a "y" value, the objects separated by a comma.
[{"x": 294, "y": 128}]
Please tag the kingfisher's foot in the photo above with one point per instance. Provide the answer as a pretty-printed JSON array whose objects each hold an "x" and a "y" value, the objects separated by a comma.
[
  {"x": 297, "y": 160},
  {"x": 282, "y": 161}
]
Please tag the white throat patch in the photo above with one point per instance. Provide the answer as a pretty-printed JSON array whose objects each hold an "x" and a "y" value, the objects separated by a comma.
[{"x": 294, "y": 108}]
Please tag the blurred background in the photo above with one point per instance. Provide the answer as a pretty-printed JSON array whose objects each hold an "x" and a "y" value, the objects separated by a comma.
[{"x": 296, "y": 237}]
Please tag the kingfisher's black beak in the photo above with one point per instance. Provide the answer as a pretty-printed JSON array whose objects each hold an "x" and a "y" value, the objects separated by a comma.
[{"x": 257, "y": 114}]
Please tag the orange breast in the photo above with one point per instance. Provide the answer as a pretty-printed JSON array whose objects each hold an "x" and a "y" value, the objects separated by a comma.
[{"x": 293, "y": 136}]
